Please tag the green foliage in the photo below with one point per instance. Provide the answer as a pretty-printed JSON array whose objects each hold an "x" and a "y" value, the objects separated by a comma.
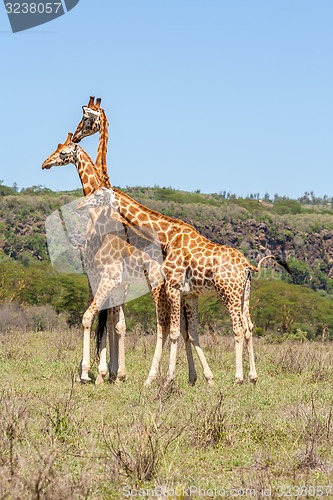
[
  {"x": 38, "y": 284},
  {"x": 301, "y": 272},
  {"x": 141, "y": 311},
  {"x": 286, "y": 206},
  {"x": 281, "y": 307}
]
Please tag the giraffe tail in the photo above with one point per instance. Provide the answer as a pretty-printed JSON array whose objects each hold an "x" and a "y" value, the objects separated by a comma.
[
  {"x": 247, "y": 278},
  {"x": 279, "y": 260},
  {"x": 100, "y": 329}
]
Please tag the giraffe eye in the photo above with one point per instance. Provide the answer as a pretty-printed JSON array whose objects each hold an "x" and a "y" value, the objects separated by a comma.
[{"x": 63, "y": 155}]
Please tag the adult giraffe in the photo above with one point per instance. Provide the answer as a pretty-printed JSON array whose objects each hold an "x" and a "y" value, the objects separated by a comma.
[
  {"x": 94, "y": 117},
  {"x": 193, "y": 266},
  {"x": 107, "y": 248}
]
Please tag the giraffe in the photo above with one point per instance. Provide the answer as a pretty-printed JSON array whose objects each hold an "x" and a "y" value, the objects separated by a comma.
[
  {"x": 110, "y": 253},
  {"x": 115, "y": 316},
  {"x": 192, "y": 266},
  {"x": 94, "y": 118}
]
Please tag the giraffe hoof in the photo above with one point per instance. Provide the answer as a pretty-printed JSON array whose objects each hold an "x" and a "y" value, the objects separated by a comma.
[
  {"x": 210, "y": 382},
  {"x": 112, "y": 378},
  {"x": 100, "y": 379},
  {"x": 239, "y": 380},
  {"x": 192, "y": 382},
  {"x": 121, "y": 377},
  {"x": 253, "y": 380},
  {"x": 85, "y": 380}
]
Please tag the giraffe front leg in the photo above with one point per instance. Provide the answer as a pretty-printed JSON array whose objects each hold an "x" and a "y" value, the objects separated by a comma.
[
  {"x": 120, "y": 331},
  {"x": 175, "y": 303},
  {"x": 160, "y": 341},
  {"x": 85, "y": 363},
  {"x": 162, "y": 307}
]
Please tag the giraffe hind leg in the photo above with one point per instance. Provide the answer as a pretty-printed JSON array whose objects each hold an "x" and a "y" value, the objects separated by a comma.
[{"x": 248, "y": 335}]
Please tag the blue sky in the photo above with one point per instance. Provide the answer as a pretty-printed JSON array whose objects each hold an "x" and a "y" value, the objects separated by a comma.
[{"x": 215, "y": 95}]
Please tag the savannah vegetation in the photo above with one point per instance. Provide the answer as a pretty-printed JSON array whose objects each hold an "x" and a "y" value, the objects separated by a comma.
[{"x": 60, "y": 439}]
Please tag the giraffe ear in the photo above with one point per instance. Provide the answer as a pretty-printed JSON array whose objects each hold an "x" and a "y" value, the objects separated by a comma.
[{"x": 91, "y": 113}]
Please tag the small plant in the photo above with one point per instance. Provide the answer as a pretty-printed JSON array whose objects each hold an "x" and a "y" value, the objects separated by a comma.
[
  {"x": 60, "y": 414},
  {"x": 211, "y": 428},
  {"x": 12, "y": 430},
  {"x": 317, "y": 432},
  {"x": 138, "y": 456}
]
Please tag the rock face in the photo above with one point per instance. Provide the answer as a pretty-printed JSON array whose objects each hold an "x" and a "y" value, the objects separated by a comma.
[{"x": 256, "y": 239}]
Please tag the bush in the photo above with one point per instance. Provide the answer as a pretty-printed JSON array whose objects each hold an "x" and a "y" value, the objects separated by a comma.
[{"x": 16, "y": 317}]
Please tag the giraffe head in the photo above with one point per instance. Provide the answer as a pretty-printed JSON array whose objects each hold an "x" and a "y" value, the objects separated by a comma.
[
  {"x": 91, "y": 120},
  {"x": 64, "y": 154}
]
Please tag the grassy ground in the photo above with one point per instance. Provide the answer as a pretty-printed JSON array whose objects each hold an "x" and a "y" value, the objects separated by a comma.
[{"x": 60, "y": 439}]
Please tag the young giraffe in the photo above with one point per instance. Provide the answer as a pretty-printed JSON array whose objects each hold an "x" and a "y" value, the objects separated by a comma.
[
  {"x": 107, "y": 248},
  {"x": 94, "y": 117}
]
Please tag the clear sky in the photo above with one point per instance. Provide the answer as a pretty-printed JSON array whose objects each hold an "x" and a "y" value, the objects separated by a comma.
[{"x": 215, "y": 95}]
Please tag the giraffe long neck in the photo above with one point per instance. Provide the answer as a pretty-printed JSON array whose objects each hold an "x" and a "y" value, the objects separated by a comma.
[
  {"x": 102, "y": 150},
  {"x": 163, "y": 227},
  {"x": 89, "y": 177}
]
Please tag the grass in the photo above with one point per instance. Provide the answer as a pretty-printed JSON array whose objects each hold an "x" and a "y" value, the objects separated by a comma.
[{"x": 60, "y": 439}]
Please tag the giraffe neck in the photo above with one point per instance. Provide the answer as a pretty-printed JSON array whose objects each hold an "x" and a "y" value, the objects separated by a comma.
[
  {"x": 89, "y": 177},
  {"x": 102, "y": 150},
  {"x": 165, "y": 228}
]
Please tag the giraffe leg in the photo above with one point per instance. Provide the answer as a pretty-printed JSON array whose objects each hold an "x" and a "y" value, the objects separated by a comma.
[
  {"x": 191, "y": 306},
  {"x": 102, "y": 367},
  {"x": 238, "y": 328},
  {"x": 248, "y": 335},
  {"x": 120, "y": 330},
  {"x": 113, "y": 346},
  {"x": 238, "y": 325},
  {"x": 85, "y": 363},
  {"x": 163, "y": 328},
  {"x": 160, "y": 341},
  {"x": 104, "y": 289},
  {"x": 175, "y": 303},
  {"x": 192, "y": 374}
]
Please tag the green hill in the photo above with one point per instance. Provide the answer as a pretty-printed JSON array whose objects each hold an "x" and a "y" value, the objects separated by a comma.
[{"x": 301, "y": 230}]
